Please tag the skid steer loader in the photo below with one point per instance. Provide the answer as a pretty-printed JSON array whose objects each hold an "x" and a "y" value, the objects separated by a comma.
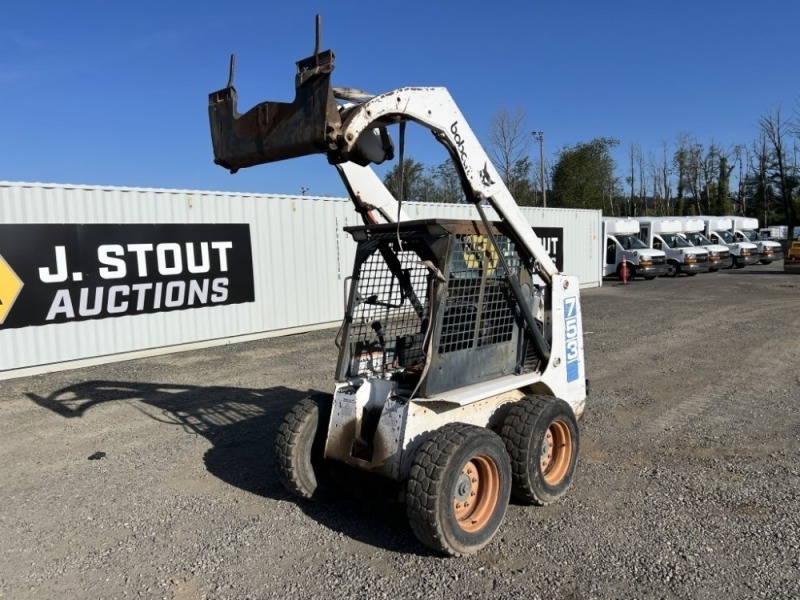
[{"x": 460, "y": 372}]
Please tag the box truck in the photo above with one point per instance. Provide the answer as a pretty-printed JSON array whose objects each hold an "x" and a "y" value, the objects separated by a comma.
[
  {"x": 718, "y": 230},
  {"x": 719, "y": 256},
  {"x": 745, "y": 229},
  {"x": 682, "y": 257},
  {"x": 621, "y": 241}
]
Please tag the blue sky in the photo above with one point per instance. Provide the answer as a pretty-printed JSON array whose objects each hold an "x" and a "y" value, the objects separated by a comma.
[{"x": 111, "y": 93}]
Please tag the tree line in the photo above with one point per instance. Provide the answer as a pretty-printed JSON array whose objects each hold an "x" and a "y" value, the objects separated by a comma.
[{"x": 686, "y": 177}]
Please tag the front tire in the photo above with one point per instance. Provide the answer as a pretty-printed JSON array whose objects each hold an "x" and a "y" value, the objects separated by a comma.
[
  {"x": 541, "y": 436},
  {"x": 631, "y": 272},
  {"x": 300, "y": 445},
  {"x": 458, "y": 489},
  {"x": 672, "y": 269}
]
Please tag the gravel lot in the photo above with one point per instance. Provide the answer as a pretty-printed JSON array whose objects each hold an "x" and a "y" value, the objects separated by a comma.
[{"x": 154, "y": 478}]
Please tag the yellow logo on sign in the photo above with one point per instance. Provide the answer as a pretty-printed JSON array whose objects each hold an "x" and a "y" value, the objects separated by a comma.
[
  {"x": 479, "y": 253},
  {"x": 10, "y": 286}
]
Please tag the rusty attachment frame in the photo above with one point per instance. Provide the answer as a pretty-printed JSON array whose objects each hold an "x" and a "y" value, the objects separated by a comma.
[{"x": 272, "y": 131}]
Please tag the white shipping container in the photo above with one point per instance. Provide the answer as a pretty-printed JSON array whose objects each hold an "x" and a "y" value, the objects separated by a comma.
[{"x": 300, "y": 258}]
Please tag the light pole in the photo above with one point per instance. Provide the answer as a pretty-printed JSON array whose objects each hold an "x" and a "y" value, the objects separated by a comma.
[
  {"x": 539, "y": 135},
  {"x": 303, "y": 190}
]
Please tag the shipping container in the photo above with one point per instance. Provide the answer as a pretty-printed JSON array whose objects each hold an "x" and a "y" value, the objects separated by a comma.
[{"x": 92, "y": 274}]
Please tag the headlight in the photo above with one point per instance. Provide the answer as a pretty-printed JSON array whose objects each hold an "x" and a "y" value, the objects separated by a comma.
[
  {"x": 745, "y": 252},
  {"x": 645, "y": 261},
  {"x": 691, "y": 259}
]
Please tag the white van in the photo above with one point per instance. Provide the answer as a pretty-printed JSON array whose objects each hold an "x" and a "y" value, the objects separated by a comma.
[
  {"x": 663, "y": 233},
  {"x": 718, "y": 230},
  {"x": 620, "y": 240},
  {"x": 719, "y": 256},
  {"x": 745, "y": 229}
]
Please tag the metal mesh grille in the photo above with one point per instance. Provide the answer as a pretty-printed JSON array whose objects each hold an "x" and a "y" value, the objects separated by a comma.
[
  {"x": 479, "y": 310},
  {"x": 384, "y": 310}
]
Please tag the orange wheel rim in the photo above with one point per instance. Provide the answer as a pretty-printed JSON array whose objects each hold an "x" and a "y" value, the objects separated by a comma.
[
  {"x": 556, "y": 452},
  {"x": 476, "y": 493}
]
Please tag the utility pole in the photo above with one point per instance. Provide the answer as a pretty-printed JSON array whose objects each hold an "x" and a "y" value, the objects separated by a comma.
[
  {"x": 742, "y": 207},
  {"x": 539, "y": 135}
]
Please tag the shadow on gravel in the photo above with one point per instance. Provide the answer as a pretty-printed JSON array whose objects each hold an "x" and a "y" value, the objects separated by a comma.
[{"x": 242, "y": 424}]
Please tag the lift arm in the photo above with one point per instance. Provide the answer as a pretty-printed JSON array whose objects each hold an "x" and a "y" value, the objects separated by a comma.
[{"x": 354, "y": 135}]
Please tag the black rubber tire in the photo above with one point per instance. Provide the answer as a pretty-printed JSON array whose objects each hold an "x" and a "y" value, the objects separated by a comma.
[
  {"x": 433, "y": 488},
  {"x": 300, "y": 445},
  {"x": 631, "y": 272},
  {"x": 675, "y": 269},
  {"x": 523, "y": 431}
]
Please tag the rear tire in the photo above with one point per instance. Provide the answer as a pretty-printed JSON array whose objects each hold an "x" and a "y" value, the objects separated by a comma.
[
  {"x": 541, "y": 436},
  {"x": 458, "y": 489},
  {"x": 631, "y": 272},
  {"x": 300, "y": 445}
]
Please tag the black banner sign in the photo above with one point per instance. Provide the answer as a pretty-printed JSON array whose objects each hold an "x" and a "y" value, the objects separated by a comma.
[
  {"x": 60, "y": 273},
  {"x": 552, "y": 238}
]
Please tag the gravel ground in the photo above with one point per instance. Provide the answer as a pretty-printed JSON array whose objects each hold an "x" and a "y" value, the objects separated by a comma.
[{"x": 154, "y": 478}]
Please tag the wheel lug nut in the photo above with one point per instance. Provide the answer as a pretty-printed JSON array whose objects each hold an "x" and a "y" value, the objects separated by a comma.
[{"x": 474, "y": 480}]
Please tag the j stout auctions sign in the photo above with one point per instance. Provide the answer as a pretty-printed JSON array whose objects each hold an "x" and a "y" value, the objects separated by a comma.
[
  {"x": 552, "y": 238},
  {"x": 60, "y": 273}
]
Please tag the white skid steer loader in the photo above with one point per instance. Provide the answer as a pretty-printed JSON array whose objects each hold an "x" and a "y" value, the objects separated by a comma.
[{"x": 460, "y": 373}]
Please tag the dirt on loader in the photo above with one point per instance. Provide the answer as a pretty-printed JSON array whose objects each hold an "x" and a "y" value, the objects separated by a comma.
[{"x": 155, "y": 478}]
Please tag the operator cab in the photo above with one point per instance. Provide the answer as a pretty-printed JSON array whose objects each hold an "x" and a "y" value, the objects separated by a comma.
[{"x": 431, "y": 307}]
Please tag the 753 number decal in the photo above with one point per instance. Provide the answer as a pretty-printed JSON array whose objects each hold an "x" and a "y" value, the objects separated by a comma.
[{"x": 571, "y": 334}]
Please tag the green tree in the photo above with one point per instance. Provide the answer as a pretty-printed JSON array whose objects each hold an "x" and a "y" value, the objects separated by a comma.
[
  {"x": 446, "y": 183},
  {"x": 722, "y": 202},
  {"x": 416, "y": 185},
  {"x": 521, "y": 183},
  {"x": 583, "y": 173}
]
